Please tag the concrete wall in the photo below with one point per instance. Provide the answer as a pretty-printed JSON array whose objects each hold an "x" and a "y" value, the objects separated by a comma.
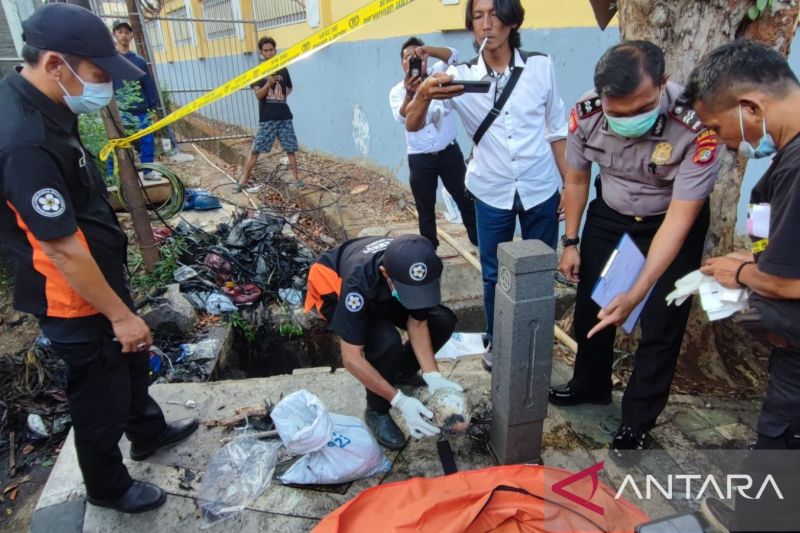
[{"x": 340, "y": 98}]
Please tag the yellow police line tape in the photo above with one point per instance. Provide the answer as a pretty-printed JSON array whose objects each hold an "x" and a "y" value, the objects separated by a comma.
[{"x": 348, "y": 24}]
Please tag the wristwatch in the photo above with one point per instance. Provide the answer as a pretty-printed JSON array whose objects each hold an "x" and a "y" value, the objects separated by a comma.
[{"x": 570, "y": 242}]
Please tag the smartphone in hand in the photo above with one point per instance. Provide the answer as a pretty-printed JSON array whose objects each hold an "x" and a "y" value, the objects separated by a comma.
[{"x": 471, "y": 86}]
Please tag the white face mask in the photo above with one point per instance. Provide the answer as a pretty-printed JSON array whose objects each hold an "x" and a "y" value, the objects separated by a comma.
[{"x": 95, "y": 95}]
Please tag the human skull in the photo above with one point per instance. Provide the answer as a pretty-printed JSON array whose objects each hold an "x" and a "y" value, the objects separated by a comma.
[{"x": 451, "y": 410}]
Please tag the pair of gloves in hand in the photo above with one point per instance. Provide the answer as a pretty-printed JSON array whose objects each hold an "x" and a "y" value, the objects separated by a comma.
[{"x": 415, "y": 413}]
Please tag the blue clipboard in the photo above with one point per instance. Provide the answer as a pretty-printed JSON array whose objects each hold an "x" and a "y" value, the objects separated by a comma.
[{"x": 619, "y": 275}]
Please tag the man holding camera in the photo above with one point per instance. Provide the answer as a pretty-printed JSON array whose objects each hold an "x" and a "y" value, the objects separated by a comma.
[
  {"x": 518, "y": 128},
  {"x": 433, "y": 151},
  {"x": 274, "y": 117}
]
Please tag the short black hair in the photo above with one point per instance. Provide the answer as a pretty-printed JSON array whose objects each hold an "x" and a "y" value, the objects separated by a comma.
[
  {"x": 623, "y": 67},
  {"x": 509, "y": 12},
  {"x": 266, "y": 40},
  {"x": 32, "y": 55},
  {"x": 738, "y": 66},
  {"x": 411, "y": 41}
]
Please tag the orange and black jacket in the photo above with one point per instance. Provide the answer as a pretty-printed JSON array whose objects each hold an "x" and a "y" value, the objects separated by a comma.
[{"x": 50, "y": 188}]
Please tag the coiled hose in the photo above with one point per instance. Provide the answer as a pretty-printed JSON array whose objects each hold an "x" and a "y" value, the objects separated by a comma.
[{"x": 172, "y": 205}]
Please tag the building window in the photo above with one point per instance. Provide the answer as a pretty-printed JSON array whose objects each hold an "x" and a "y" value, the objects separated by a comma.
[
  {"x": 272, "y": 13},
  {"x": 219, "y": 10},
  {"x": 181, "y": 31},
  {"x": 153, "y": 28}
]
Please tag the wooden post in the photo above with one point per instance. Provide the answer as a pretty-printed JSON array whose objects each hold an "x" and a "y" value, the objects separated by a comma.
[{"x": 131, "y": 188}]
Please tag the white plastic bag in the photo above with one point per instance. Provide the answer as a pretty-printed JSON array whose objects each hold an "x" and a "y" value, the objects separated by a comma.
[
  {"x": 460, "y": 345},
  {"x": 453, "y": 213},
  {"x": 337, "y": 448},
  {"x": 236, "y": 476}
]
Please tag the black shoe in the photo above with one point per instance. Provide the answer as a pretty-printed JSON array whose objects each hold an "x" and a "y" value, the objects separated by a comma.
[
  {"x": 567, "y": 396},
  {"x": 627, "y": 446},
  {"x": 413, "y": 380},
  {"x": 717, "y": 514},
  {"x": 141, "y": 497},
  {"x": 384, "y": 429},
  {"x": 174, "y": 432}
]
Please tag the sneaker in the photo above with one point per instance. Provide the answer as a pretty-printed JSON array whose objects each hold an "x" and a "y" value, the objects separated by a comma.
[
  {"x": 627, "y": 445},
  {"x": 254, "y": 188},
  {"x": 300, "y": 184},
  {"x": 717, "y": 513},
  {"x": 237, "y": 188}
]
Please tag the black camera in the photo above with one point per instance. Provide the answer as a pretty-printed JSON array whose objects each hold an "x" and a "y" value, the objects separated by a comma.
[{"x": 415, "y": 67}]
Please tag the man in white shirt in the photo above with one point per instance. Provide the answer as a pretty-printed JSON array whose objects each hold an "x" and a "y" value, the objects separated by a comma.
[
  {"x": 432, "y": 151},
  {"x": 518, "y": 164}
]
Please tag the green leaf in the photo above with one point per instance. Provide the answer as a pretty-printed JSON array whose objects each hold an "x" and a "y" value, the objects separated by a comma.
[
  {"x": 761, "y": 4},
  {"x": 753, "y": 12}
]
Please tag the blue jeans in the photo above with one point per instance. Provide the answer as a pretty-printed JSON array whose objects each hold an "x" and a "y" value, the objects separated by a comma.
[
  {"x": 497, "y": 226},
  {"x": 147, "y": 144}
]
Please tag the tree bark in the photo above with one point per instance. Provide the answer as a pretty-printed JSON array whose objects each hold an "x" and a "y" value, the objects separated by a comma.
[{"x": 687, "y": 30}]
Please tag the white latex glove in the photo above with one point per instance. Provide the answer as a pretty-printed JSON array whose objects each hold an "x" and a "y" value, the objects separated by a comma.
[
  {"x": 415, "y": 415},
  {"x": 435, "y": 382}
]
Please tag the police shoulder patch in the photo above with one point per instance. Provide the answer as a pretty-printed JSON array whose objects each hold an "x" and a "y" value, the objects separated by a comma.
[
  {"x": 573, "y": 120},
  {"x": 688, "y": 117},
  {"x": 589, "y": 107}
]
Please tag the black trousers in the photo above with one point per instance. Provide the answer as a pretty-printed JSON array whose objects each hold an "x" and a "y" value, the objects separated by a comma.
[
  {"x": 662, "y": 327},
  {"x": 777, "y": 451},
  {"x": 107, "y": 395},
  {"x": 425, "y": 172},
  {"x": 394, "y": 360}
]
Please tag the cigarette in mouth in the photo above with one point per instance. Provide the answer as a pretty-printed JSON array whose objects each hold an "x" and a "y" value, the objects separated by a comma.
[{"x": 480, "y": 50}]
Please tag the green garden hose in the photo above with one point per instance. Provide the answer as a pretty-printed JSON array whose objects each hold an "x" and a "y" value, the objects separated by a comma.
[{"x": 170, "y": 207}]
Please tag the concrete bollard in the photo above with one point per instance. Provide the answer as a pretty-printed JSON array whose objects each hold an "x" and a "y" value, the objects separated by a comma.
[{"x": 522, "y": 349}]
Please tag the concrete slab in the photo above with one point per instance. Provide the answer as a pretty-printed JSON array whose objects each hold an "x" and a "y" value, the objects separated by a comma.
[{"x": 574, "y": 440}]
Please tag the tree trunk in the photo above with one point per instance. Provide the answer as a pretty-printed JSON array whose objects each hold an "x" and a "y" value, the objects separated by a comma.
[{"x": 687, "y": 30}]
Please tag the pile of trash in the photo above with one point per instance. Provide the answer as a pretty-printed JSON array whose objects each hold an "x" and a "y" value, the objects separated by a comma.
[
  {"x": 250, "y": 264},
  {"x": 33, "y": 401},
  {"x": 253, "y": 258}
]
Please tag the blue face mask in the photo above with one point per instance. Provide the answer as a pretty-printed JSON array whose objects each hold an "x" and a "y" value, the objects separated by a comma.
[
  {"x": 766, "y": 145},
  {"x": 95, "y": 95},
  {"x": 396, "y": 296},
  {"x": 635, "y": 126}
]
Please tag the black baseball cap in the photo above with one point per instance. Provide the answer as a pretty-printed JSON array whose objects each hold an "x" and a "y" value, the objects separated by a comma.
[
  {"x": 75, "y": 30},
  {"x": 119, "y": 23},
  {"x": 415, "y": 270}
]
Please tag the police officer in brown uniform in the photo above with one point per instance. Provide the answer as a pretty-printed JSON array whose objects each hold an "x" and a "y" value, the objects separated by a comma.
[{"x": 657, "y": 168}]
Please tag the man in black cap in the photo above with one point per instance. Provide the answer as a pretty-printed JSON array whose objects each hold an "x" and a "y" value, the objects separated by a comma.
[
  {"x": 365, "y": 289},
  {"x": 138, "y": 114},
  {"x": 69, "y": 252}
]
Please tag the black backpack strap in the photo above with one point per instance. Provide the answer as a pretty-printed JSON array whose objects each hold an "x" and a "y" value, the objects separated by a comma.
[{"x": 498, "y": 106}]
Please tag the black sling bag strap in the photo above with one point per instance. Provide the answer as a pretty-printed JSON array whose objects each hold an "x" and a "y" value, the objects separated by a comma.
[{"x": 498, "y": 105}]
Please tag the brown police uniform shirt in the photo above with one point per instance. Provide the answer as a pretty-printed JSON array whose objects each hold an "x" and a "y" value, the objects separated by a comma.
[{"x": 678, "y": 159}]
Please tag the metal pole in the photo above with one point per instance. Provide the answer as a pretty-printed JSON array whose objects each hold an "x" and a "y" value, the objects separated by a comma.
[{"x": 131, "y": 188}]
